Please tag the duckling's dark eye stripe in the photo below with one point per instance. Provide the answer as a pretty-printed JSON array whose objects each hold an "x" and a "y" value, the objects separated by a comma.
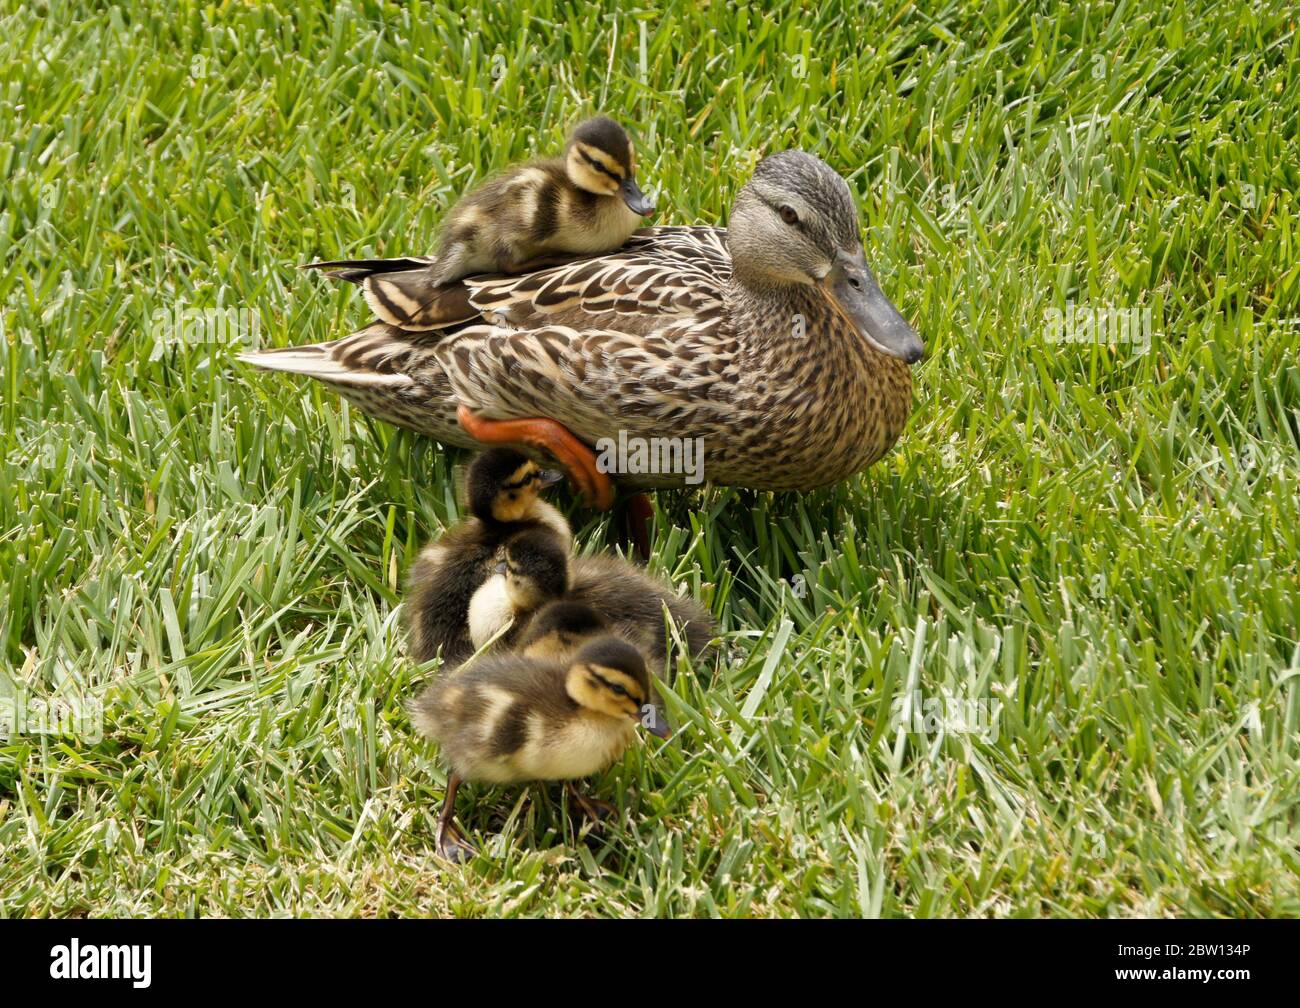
[
  {"x": 522, "y": 481},
  {"x": 599, "y": 167},
  {"x": 612, "y": 687}
]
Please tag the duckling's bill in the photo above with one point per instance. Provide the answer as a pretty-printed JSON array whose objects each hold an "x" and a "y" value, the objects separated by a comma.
[
  {"x": 652, "y": 720},
  {"x": 636, "y": 200}
]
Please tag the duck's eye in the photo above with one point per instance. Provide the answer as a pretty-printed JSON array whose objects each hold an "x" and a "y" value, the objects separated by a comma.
[
  {"x": 619, "y": 691},
  {"x": 788, "y": 215}
]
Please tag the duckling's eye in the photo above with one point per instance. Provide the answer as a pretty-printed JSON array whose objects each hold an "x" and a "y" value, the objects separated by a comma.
[
  {"x": 788, "y": 215},
  {"x": 619, "y": 691}
]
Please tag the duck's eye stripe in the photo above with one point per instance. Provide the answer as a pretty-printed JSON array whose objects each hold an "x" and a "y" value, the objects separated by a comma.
[
  {"x": 612, "y": 687},
  {"x": 798, "y": 222},
  {"x": 598, "y": 166}
]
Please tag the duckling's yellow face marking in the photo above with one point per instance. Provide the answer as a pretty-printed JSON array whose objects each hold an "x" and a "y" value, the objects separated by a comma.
[
  {"x": 593, "y": 170},
  {"x": 606, "y": 690},
  {"x": 517, "y": 494},
  {"x": 555, "y": 646}
]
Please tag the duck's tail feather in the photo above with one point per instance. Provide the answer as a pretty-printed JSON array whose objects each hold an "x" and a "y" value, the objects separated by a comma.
[
  {"x": 405, "y": 292},
  {"x": 356, "y": 270},
  {"x": 356, "y": 361}
]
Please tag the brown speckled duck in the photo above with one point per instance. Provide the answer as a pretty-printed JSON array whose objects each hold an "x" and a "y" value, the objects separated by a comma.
[{"x": 771, "y": 341}]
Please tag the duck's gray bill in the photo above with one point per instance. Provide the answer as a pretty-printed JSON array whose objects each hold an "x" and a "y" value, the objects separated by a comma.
[
  {"x": 635, "y": 199},
  {"x": 549, "y": 477},
  {"x": 854, "y": 288}
]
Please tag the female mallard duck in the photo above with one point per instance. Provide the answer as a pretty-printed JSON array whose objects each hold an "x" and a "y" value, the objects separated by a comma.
[
  {"x": 588, "y": 201},
  {"x": 501, "y": 489},
  {"x": 771, "y": 341},
  {"x": 507, "y": 719}
]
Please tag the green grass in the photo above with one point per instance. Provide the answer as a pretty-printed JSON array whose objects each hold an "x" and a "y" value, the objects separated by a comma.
[{"x": 1098, "y": 543}]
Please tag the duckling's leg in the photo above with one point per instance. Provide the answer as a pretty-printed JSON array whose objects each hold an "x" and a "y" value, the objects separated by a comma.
[
  {"x": 451, "y": 841},
  {"x": 593, "y": 808},
  {"x": 539, "y": 432}
]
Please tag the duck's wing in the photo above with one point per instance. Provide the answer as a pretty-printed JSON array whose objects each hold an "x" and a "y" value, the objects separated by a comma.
[
  {"x": 635, "y": 335},
  {"x": 661, "y": 274},
  {"x": 636, "y": 339},
  {"x": 664, "y": 269}
]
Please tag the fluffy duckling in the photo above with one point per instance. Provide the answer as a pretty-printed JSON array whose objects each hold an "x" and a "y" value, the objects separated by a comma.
[
  {"x": 538, "y": 569},
  {"x": 535, "y": 570},
  {"x": 507, "y": 719},
  {"x": 633, "y": 602},
  {"x": 501, "y": 489},
  {"x": 586, "y": 202},
  {"x": 558, "y": 629}
]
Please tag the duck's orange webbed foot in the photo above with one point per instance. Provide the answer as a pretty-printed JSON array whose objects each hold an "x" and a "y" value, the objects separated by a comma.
[{"x": 539, "y": 432}]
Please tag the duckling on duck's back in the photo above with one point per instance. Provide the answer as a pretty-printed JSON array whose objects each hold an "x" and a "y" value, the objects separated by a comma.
[{"x": 586, "y": 202}]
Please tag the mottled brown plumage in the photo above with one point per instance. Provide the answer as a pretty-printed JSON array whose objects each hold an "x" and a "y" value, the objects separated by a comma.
[{"x": 770, "y": 341}]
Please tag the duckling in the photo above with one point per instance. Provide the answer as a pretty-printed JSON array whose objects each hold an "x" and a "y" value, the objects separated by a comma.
[
  {"x": 633, "y": 602},
  {"x": 559, "y": 628},
  {"x": 508, "y": 719},
  {"x": 535, "y": 570},
  {"x": 538, "y": 568},
  {"x": 502, "y": 488},
  {"x": 586, "y": 202}
]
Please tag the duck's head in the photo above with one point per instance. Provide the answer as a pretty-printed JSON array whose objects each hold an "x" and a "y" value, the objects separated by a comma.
[
  {"x": 536, "y": 567},
  {"x": 794, "y": 222},
  {"x": 502, "y": 485},
  {"x": 560, "y": 627},
  {"x": 609, "y": 676},
  {"x": 600, "y": 158}
]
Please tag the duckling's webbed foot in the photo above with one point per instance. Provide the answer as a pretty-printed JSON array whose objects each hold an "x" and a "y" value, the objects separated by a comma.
[
  {"x": 452, "y": 843},
  {"x": 538, "y": 432},
  {"x": 592, "y": 809}
]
